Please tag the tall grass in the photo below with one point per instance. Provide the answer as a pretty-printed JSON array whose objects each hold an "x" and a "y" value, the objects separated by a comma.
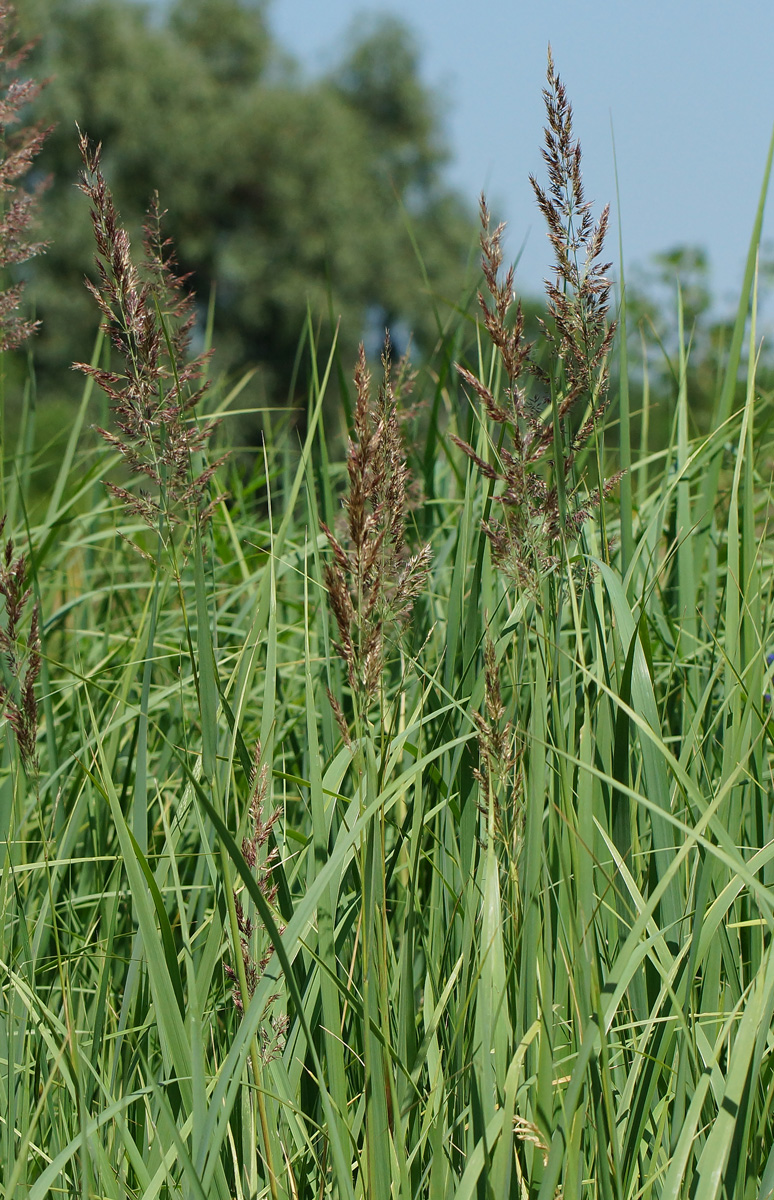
[{"x": 426, "y": 852}]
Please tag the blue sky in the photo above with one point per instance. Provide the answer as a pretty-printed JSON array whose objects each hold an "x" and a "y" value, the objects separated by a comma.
[{"x": 686, "y": 87}]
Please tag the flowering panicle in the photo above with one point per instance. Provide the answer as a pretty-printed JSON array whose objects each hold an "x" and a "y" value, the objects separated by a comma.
[
  {"x": 578, "y": 298},
  {"x": 149, "y": 319},
  {"x": 539, "y": 501},
  {"x": 371, "y": 580},
  {"x": 17, "y": 689},
  {"x": 499, "y": 754},
  {"x": 18, "y": 149},
  {"x": 255, "y": 963}
]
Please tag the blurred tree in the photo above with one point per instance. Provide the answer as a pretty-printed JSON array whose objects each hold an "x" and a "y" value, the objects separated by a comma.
[
  {"x": 652, "y": 308},
  {"x": 379, "y": 78},
  {"x": 231, "y": 36},
  {"x": 281, "y": 193}
]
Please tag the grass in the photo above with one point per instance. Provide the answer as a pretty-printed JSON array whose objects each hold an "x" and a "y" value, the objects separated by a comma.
[{"x": 423, "y": 853}]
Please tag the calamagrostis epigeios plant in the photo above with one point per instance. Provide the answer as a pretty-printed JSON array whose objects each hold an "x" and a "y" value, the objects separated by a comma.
[
  {"x": 18, "y": 148},
  {"x": 372, "y": 582},
  {"x": 20, "y": 671},
  {"x": 255, "y": 960},
  {"x": 149, "y": 318},
  {"x": 540, "y": 500}
]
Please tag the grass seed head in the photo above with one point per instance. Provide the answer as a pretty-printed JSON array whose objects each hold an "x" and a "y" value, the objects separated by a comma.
[
  {"x": 148, "y": 317},
  {"x": 540, "y": 500},
  {"x": 372, "y": 582},
  {"x": 22, "y": 667},
  {"x": 255, "y": 959},
  {"x": 18, "y": 149}
]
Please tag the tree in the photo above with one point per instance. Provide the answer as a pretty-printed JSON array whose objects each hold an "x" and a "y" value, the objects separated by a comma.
[{"x": 652, "y": 306}]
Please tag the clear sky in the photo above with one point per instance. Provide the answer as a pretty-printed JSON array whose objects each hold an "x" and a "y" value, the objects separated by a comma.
[{"x": 686, "y": 87}]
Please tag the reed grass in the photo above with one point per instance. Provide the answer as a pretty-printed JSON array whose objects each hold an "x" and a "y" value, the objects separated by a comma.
[{"x": 415, "y": 846}]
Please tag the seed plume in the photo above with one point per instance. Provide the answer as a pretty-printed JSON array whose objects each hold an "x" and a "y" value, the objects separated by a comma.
[
  {"x": 18, "y": 703},
  {"x": 18, "y": 149},
  {"x": 541, "y": 500},
  {"x": 149, "y": 319},
  {"x": 372, "y": 581}
]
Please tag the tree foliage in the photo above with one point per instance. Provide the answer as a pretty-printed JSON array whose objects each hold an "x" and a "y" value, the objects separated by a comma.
[{"x": 680, "y": 278}]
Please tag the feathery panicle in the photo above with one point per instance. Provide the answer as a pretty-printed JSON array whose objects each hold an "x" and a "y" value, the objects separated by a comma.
[
  {"x": 149, "y": 318},
  {"x": 528, "y": 1132},
  {"x": 341, "y": 720},
  {"x": 17, "y": 691},
  {"x": 254, "y": 960},
  {"x": 578, "y": 298},
  {"x": 18, "y": 149},
  {"x": 499, "y": 769},
  {"x": 372, "y": 582},
  {"x": 540, "y": 500}
]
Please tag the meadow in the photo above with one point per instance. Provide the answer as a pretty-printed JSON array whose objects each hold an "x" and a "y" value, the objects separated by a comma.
[{"x": 389, "y": 815}]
